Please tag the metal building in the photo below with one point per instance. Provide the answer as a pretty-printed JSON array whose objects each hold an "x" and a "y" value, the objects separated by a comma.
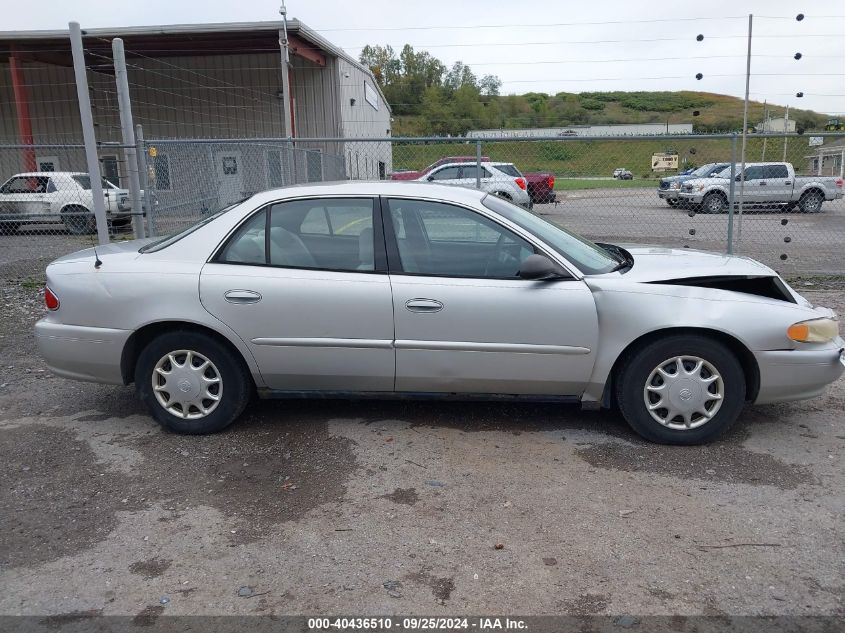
[{"x": 220, "y": 81}]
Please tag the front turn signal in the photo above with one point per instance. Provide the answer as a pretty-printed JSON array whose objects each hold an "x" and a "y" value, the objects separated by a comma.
[{"x": 814, "y": 331}]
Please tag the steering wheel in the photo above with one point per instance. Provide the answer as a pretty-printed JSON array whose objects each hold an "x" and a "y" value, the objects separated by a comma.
[{"x": 505, "y": 258}]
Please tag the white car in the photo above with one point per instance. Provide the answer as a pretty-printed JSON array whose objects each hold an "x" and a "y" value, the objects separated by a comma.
[
  {"x": 501, "y": 179},
  {"x": 49, "y": 197}
]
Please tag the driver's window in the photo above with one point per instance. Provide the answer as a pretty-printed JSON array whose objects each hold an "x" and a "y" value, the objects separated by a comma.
[
  {"x": 445, "y": 240},
  {"x": 753, "y": 173}
]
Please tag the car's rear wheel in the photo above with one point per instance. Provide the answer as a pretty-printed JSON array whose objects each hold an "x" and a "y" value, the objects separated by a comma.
[
  {"x": 683, "y": 389},
  {"x": 191, "y": 383},
  {"x": 811, "y": 202},
  {"x": 79, "y": 221},
  {"x": 713, "y": 203}
]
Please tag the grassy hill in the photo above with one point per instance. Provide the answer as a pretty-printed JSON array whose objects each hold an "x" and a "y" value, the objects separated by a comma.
[
  {"x": 572, "y": 158},
  {"x": 716, "y": 112}
]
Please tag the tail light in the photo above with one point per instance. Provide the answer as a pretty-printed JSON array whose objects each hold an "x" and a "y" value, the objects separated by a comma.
[
  {"x": 839, "y": 182},
  {"x": 520, "y": 182},
  {"x": 50, "y": 299},
  {"x": 551, "y": 182}
]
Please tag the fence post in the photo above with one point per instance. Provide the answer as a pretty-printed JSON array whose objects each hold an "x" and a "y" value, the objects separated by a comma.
[
  {"x": 478, "y": 164},
  {"x": 144, "y": 177},
  {"x": 129, "y": 152},
  {"x": 731, "y": 197},
  {"x": 88, "y": 136}
]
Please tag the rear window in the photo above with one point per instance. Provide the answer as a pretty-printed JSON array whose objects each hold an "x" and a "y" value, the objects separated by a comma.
[
  {"x": 166, "y": 241},
  {"x": 85, "y": 182},
  {"x": 510, "y": 170}
]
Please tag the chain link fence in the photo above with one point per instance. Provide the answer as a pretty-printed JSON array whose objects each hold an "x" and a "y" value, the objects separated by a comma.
[{"x": 622, "y": 190}]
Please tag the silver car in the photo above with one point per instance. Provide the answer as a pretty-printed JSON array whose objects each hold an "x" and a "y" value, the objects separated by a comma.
[{"x": 398, "y": 289}]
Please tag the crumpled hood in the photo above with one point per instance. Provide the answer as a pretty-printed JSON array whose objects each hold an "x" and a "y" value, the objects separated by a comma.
[{"x": 657, "y": 263}]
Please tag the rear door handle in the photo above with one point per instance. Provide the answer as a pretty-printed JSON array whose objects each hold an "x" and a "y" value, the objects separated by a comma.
[
  {"x": 242, "y": 296},
  {"x": 763, "y": 183},
  {"x": 423, "y": 305}
]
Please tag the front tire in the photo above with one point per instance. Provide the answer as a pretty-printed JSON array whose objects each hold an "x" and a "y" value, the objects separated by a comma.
[
  {"x": 191, "y": 383},
  {"x": 683, "y": 389},
  {"x": 672, "y": 203},
  {"x": 713, "y": 203}
]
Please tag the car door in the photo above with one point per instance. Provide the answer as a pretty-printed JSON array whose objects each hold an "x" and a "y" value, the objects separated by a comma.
[
  {"x": 449, "y": 175},
  {"x": 778, "y": 187},
  {"x": 756, "y": 187},
  {"x": 465, "y": 322},
  {"x": 23, "y": 196},
  {"x": 313, "y": 305}
]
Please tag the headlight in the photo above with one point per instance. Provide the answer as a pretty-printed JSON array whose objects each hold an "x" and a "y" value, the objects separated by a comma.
[
  {"x": 675, "y": 185},
  {"x": 814, "y": 331}
]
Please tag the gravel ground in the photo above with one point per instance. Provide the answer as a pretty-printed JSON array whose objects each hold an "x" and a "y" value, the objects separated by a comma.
[{"x": 385, "y": 507}]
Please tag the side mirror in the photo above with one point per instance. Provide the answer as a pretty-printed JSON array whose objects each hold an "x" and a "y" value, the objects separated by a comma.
[
  {"x": 430, "y": 178},
  {"x": 540, "y": 267}
]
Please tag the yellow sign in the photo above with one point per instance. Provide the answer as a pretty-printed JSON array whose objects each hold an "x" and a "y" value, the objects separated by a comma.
[
  {"x": 664, "y": 161},
  {"x": 153, "y": 152}
]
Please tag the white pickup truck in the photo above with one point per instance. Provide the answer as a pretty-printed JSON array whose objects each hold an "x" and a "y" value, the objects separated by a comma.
[
  {"x": 49, "y": 197},
  {"x": 766, "y": 185}
]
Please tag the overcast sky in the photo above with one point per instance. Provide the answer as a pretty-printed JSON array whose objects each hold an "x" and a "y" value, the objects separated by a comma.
[{"x": 547, "y": 46}]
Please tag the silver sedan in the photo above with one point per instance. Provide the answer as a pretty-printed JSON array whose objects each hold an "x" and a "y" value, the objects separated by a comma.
[{"x": 398, "y": 289}]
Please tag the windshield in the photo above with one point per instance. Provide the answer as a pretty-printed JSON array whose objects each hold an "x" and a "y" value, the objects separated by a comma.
[
  {"x": 84, "y": 181},
  {"x": 167, "y": 240},
  {"x": 702, "y": 171},
  {"x": 590, "y": 258}
]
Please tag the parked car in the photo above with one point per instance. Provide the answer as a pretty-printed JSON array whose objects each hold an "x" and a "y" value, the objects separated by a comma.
[
  {"x": 389, "y": 289},
  {"x": 621, "y": 173},
  {"x": 501, "y": 179},
  {"x": 541, "y": 185},
  {"x": 51, "y": 197},
  {"x": 766, "y": 184},
  {"x": 669, "y": 186}
]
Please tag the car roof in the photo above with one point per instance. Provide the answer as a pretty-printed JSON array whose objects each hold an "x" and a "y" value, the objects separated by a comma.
[
  {"x": 372, "y": 188},
  {"x": 39, "y": 174}
]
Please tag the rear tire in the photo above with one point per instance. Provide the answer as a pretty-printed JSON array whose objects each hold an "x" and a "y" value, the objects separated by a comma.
[
  {"x": 705, "y": 368},
  {"x": 79, "y": 221},
  {"x": 191, "y": 383},
  {"x": 811, "y": 202},
  {"x": 713, "y": 203}
]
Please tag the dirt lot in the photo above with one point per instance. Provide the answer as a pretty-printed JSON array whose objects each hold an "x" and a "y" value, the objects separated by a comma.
[{"x": 378, "y": 507}]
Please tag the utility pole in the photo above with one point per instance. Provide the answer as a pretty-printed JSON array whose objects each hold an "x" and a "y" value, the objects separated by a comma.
[
  {"x": 785, "y": 132},
  {"x": 765, "y": 129},
  {"x": 283, "y": 43},
  {"x": 745, "y": 126},
  {"x": 130, "y": 152},
  {"x": 88, "y": 135}
]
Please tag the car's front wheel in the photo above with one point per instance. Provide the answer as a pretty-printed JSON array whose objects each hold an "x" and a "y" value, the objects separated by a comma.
[
  {"x": 714, "y": 202},
  {"x": 682, "y": 389},
  {"x": 191, "y": 383},
  {"x": 671, "y": 202}
]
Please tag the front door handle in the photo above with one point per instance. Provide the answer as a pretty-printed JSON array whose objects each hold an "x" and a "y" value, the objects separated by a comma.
[
  {"x": 242, "y": 296},
  {"x": 423, "y": 305},
  {"x": 788, "y": 182},
  {"x": 763, "y": 183}
]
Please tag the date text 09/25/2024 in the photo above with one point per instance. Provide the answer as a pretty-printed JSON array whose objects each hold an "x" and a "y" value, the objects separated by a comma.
[{"x": 416, "y": 624}]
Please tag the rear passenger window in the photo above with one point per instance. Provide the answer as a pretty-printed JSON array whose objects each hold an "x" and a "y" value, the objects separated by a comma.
[
  {"x": 775, "y": 171},
  {"x": 247, "y": 245},
  {"x": 330, "y": 234}
]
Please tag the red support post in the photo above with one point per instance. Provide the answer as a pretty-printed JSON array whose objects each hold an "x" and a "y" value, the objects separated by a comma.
[{"x": 22, "y": 107}]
